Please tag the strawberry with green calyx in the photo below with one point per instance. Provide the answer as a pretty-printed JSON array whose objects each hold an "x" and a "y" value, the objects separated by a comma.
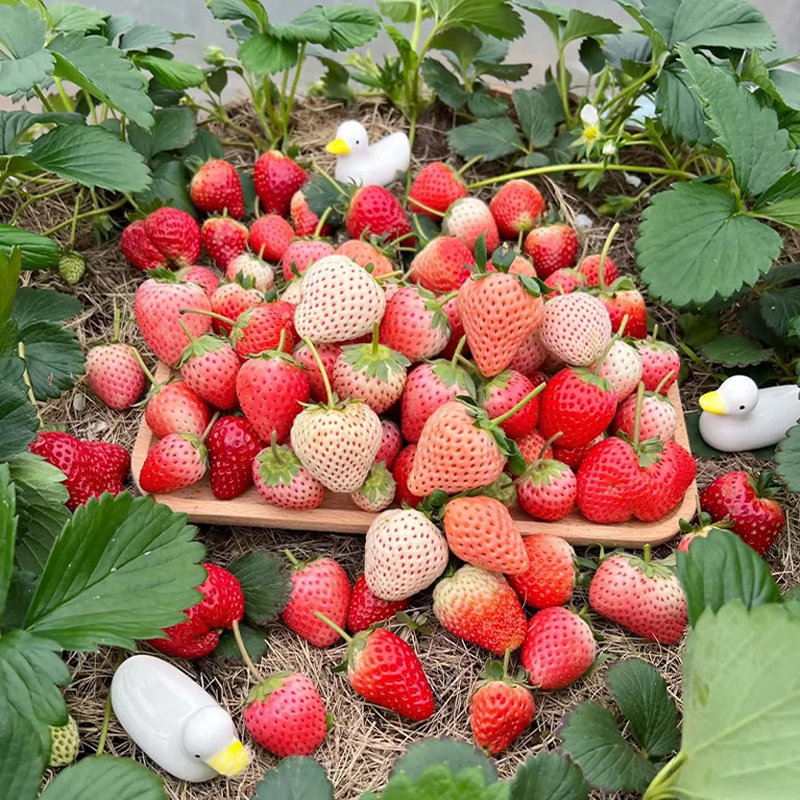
[
  {"x": 501, "y": 708},
  {"x": 209, "y": 366},
  {"x": 375, "y": 210},
  {"x": 701, "y": 528},
  {"x": 565, "y": 281},
  {"x": 414, "y": 323},
  {"x": 248, "y": 265},
  {"x": 378, "y": 489},
  {"x": 469, "y": 219},
  {"x": 658, "y": 360},
  {"x": 386, "y": 671},
  {"x": 504, "y": 391},
  {"x": 659, "y": 418},
  {"x": 230, "y": 300},
  {"x": 552, "y": 247},
  {"x": 305, "y": 220},
  {"x": 517, "y": 207},
  {"x": 436, "y": 187},
  {"x": 71, "y": 267},
  {"x": 283, "y": 481},
  {"x": 547, "y": 488},
  {"x": 600, "y": 270},
  {"x": 216, "y": 188},
  {"x": 622, "y": 299}
]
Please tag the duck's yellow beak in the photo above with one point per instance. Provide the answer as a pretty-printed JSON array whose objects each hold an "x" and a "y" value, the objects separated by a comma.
[
  {"x": 338, "y": 147},
  {"x": 231, "y": 761},
  {"x": 713, "y": 403}
]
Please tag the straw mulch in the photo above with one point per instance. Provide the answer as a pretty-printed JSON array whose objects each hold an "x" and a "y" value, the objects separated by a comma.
[{"x": 364, "y": 741}]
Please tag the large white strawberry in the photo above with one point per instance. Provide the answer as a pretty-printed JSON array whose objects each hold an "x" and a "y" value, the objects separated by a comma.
[
  {"x": 467, "y": 219},
  {"x": 404, "y": 554},
  {"x": 576, "y": 328},
  {"x": 340, "y": 301},
  {"x": 622, "y": 368}
]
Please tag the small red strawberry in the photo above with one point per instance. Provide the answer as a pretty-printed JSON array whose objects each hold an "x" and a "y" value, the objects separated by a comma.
[
  {"x": 377, "y": 491},
  {"x": 204, "y": 277},
  {"x": 468, "y": 219},
  {"x": 277, "y": 178},
  {"x": 516, "y": 208},
  {"x": 261, "y": 328},
  {"x": 400, "y": 473},
  {"x": 302, "y": 254},
  {"x": 565, "y": 281},
  {"x": 175, "y": 234},
  {"x": 621, "y": 300},
  {"x": 216, "y": 188},
  {"x": 224, "y": 238},
  {"x": 576, "y": 328},
  {"x": 442, "y": 265},
  {"x": 550, "y": 579},
  {"x": 590, "y": 267},
  {"x": 232, "y": 446},
  {"x": 283, "y": 481},
  {"x": 248, "y": 269},
  {"x": 366, "y": 255},
  {"x": 139, "y": 250},
  {"x": 559, "y": 647},
  {"x": 319, "y": 585},
  {"x": 503, "y": 392},
  {"x": 305, "y": 221},
  {"x": 270, "y": 237},
  {"x": 414, "y": 324},
  {"x": 329, "y": 354},
  {"x": 230, "y": 301},
  {"x": 643, "y": 596},
  {"x": 573, "y": 456},
  {"x": 435, "y": 189},
  {"x": 552, "y": 247},
  {"x": 209, "y": 366},
  {"x": 391, "y": 444},
  {"x": 547, "y": 489},
  {"x": 748, "y": 502},
  {"x": 659, "y": 359},
  {"x": 172, "y": 407},
  {"x": 377, "y": 212},
  {"x": 367, "y": 609}
]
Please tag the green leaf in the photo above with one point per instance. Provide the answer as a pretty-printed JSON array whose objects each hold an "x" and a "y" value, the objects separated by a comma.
[
  {"x": 227, "y": 651},
  {"x": 642, "y": 696},
  {"x": 592, "y": 56},
  {"x": 490, "y": 138},
  {"x": 495, "y": 17},
  {"x": 19, "y": 424},
  {"x": 22, "y": 32},
  {"x": 38, "y": 252},
  {"x": 680, "y": 107},
  {"x": 9, "y": 275},
  {"x": 351, "y": 26},
  {"x": 741, "y": 706},
  {"x": 504, "y": 72},
  {"x": 659, "y": 46},
  {"x": 14, "y": 123},
  {"x": 8, "y": 532},
  {"x": 311, "y": 26},
  {"x": 106, "y": 776},
  {"x": 44, "y": 305},
  {"x": 20, "y": 594},
  {"x": 581, "y": 24},
  {"x": 22, "y": 758},
  {"x": 720, "y": 251},
  {"x": 533, "y": 111},
  {"x": 204, "y": 146},
  {"x": 464, "y": 45},
  {"x": 699, "y": 329},
  {"x": 172, "y": 74},
  {"x": 445, "y": 85},
  {"x": 787, "y": 459},
  {"x": 140, "y": 38},
  {"x": 174, "y": 129},
  {"x": 251, "y": 12},
  {"x": 53, "y": 357},
  {"x": 720, "y": 568},
  {"x": 748, "y": 133},
  {"x": 555, "y": 17},
  {"x": 787, "y": 85},
  {"x": 41, "y": 496},
  {"x": 780, "y": 307},
  {"x": 105, "y": 73},
  {"x": 439, "y": 783},
  {"x": 399, "y": 10},
  {"x": 335, "y": 80},
  {"x": 170, "y": 187},
  {"x": 114, "y": 549},
  {"x": 735, "y": 351},
  {"x": 483, "y": 104},
  {"x": 590, "y": 737},
  {"x": 458, "y": 756},
  {"x": 75, "y": 17},
  {"x": 550, "y": 776},
  {"x": 265, "y": 583},
  {"x": 266, "y": 55},
  {"x": 295, "y": 778}
]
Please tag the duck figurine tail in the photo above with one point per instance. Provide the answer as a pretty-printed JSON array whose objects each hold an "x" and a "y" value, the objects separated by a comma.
[{"x": 360, "y": 163}]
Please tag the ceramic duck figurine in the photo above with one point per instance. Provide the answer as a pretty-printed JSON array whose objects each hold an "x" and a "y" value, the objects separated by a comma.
[
  {"x": 175, "y": 722},
  {"x": 740, "y": 416},
  {"x": 364, "y": 164}
]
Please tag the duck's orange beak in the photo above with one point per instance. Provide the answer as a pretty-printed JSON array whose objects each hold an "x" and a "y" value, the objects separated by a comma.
[
  {"x": 338, "y": 147},
  {"x": 231, "y": 761},
  {"x": 713, "y": 402}
]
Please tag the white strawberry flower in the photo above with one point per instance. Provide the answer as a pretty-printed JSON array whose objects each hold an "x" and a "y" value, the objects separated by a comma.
[{"x": 609, "y": 148}]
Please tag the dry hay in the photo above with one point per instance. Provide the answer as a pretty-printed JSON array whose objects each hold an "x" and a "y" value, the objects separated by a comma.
[{"x": 364, "y": 741}]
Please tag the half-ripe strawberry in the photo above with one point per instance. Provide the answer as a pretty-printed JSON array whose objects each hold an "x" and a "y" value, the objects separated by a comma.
[
  {"x": 534, "y": 446},
  {"x": 480, "y": 607},
  {"x": 367, "y": 255},
  {"x": 276, "y": 178},
  {"x": 209, "y": 366},
  {"x": 377, "y": 491},
  {"x": 435, "y": 189},
  {"x": 139, "y": 250},
  {"x": 391, "y": 444},
  {"x": 367, "y": 609},
  {"x": 559, "y": 647},
  {"x": 270, "y": 237},
  {"x": 302, "y": 254},
  {"x": 658, "y": 417},
  {"x": 261, "y": 328},
  {"x": 304, "y": 219},
  {"x": 283, "y": 481},
  {"x": 175, "y": 234},
  {"x": 576, "y": 328},
  {"x": 375, "y": 211},
  {"x": 229, "y": 301},
  {"x": 224, "y": 239},
  {"x": 552, "y": 247},
  {"x": 468, "y": 219},
  {"x": 503, "y": 392},
  {"x": 547, "y": 489},
  {"x": 550, "y": 579},
  {"x": 516, "y": 208},
  {"x": 216, "y": 189},
  {"x": 248, "y": 268},
  {"x": 565, "y": 281},
  {"x": 590, "y": 267},
  {"x": 414, "y": 324},
  {"x": 622, "y": 300},
  {"x": 329, "y": 354},
  {"x": 173, "y": 407},
  {"x": 622, "y": 368},
  {"x": 442, "y": 265},
  {"x": 232, "y": 446},
  {"x": 659, "y": 360},
  {"x": 174, "y": 463}
]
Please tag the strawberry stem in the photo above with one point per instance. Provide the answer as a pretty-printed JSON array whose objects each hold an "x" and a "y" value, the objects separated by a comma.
[
  {"x": 648, "y": 553},
  {"x": 212, "y": 314},
  {"x": 186, "y": 330},
  {"x": 601, "y": 267},
  {"x": 522, "y": 403},
  {"x": 698, "y": 508},
  {"x": 273, "y": 443},
  {"x": 667, "y": 377},
  {"x": 399, "y": 239},
  {"x": 506, "y": 659},
  {"x": 622, "y": 326},
  {"x": 420, "y": 233},
  {"x": 388, "y": 275},
  {"x": 322, "y": 220},
  {"x": 375, "y": 341},
  {"x": 282, "y": 341},
  {"x": 469, "y": 164},
  {"x": 430, "y": 210},
  {"x": 637, "y": 425},
  {"x": 237, "y": 634},
  {"x": 117, "y": 320},
  {"x": 210, "y": 425},
  {"x": 459, "y": 347},
  {"x": 149, "y": 375},
  {"x": 333, "y": 626},
  {"x": 600, "y": 361},
  {"x": 548, "y": 443},
  {"x": 328, "y": 391},
  {"x": 292, "y": 559},
  {"x": 330, "y": 180}
]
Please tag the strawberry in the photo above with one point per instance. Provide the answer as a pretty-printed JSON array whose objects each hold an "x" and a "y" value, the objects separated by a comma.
[
  {"x": 172, "y": 407},
  {"x": 468, "y": 219},
  {"x": 503, "y": 392},
  {"x": 283, "y": 481},
  {"x": 621, "y": 300},
  {"x": 370, "y": 372},
  {"x": 404, "y": 553},
  {"x": 305, "y": 221},
  {"x": 90, "y": 468},
  {"x": 65, "y": 743},
  {"x": 221, "y": 606},
  {"x": 534, "y": 446},
  {"x": 159, "y": 304},
  {"x": 576, "y": 328},
  {"x": 302, "y": 254},
  {"x": 480, "y": 531},
  {"x": 217, "y": 189},
  {"x": 516, "y": 208},
  {"x": 377, "y": 491},
  {"x": 386, "y": 672},
  {"x": 329, "y": 354},
  {"x": 391, "y": 444},
  {"x": 577, "y": 404},
  {"x": 209, "y": 366},
  {"x": 565, "y": 281},
  {"x": 643, "y": 596},
  {"x": 658, "y": 417},
  {"x": 480, "y": 607},
  {"x": 550, "y": 579},
  {"x": 659, "y": 359},
  {"x": 337, "y": 441},
  {"x": 366, "y": 255},
  {"x": 573, "y": 456},
  {"x": 552, "y": 247},
  {"x": 457, "y": 341},
  {"x": 286, "y": 715},
  {"x": 376, "y": 211},
  {"x": 270, "y": 237},
  {"x": 559, "y": 647},
  {"x": 414, "y": 324},
  {"x": 442, "y": 265},
  {"x": 435, "y": 189},
  {"x": 748, "y": 502},
  {"x": 400, "y": 473},
  {"x": 367, "y": 609},
  {"x": 139, "y": 250},
  {"x": 276, "y": 178},
  {"x": 319, "y": 585},
  {"x": 261, "y": 328},
  {"x": 530, "y": 356},
  {"x": 547, "y": 489},
  {"x": 232, "y": 445},
  {"x": 175, "y": 234},
  {"x": 590, "y": 267},
  {"x": 224, "y": 238},
  {"x": 699, "y": 529},
  {"x": 622, "y": 368},
  {"x": 247, "y": 268},
  {"x": 204, "y": 277},
  {"x": 341, "y": 301},
  {"x": 522, "y": 266},
  {"x": 231, "y": 300},
  {"x": 501, "y": 709}
]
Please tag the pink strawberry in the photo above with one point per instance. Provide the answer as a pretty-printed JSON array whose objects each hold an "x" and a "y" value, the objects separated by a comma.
[
  {"x": 209, "y": 366},
  {"x": 376, "y": 211},
  {"x": 303, "y": 253},
  {"x": 367, "y": 609},
  {"x": 270, "y": 237},
  {"x": 402, "y": 468},
  {"x": 283, "y": 481},
  {"x": 552, "y": 247},
  {"x": 232, "y": 445},
  {"x": 414, "y": 324},
  {"x": 658, "y": 417},
  {"x": 173, "y": 407},
  {"x": 377, "y": 491},
  {"x": 230, "y": 301},
  {"x": 216, "y": 188},
  {"x": 435, "y": 189},
  {"x": 305, "y": 221},
  {"x": 576, "y": 328},
  {"x": 469, "y": 218},
  {"x": 247, "y": 268},
  {"x": 550, "y": 579},
  {"x": 547, "y": 489},
  {"x": 516, "y": 208},
  {"x": 622, "y": 368},
  {"x": 366, "y": 255},
  {"x": 174, "y": 463},
  {"x": 442, "y": 265},
  {"x": 277, "y": 178},
  {"x": 530, "y": 356},
  {"x": 503, "y": 392},
  {"x": 391, "y": 444},
  {"x": 224, "y": 239},
  {"x": 457, "y": 339},
  {"x": 329, "y": 354},
  {"x": 139, "y": 250},
  {"x": 659, "y": 359},
  {"x": 261, "y": 327},
  {"x": 565, "y": 281},
  {"x": 175, "y": 234},
  {"x": 534, "y": 446},
  {"x": 204, "y": 277},
  {"x": 590, "y": 267}
]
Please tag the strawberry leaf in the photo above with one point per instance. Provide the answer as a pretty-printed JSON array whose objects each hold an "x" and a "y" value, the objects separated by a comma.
[
  {"x": 131, "y": 780},
  {"x": 735, "y": 351},
  {"x": 787, "y": 458},
  {"x": 548, "y": 775},
  {"x": 295, "y": 778},
  {"x": 457, "y": 756},
  {"x": 227, "y": 651},
  {"x": 8, "y": 533},
  {"x": 265, "y": 583}
]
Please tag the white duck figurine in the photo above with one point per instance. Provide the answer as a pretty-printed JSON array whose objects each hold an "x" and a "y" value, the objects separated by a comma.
[
  {"x": 175, "y": 722},
  {"x": 740, "y": 416},
  {"x": 366, "y": 164}
]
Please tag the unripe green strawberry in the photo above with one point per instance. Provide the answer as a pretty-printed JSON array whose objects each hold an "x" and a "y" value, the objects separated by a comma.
[
  {"x": 64, "y": 744},
  {"x": 71, "y": 266}
]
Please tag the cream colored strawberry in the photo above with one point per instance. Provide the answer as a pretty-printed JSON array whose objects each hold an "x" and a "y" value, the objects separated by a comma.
[
  {"x": 248, "y": 265},
  {"x": 622, "y": 368},
  {"x": 576, "y": 328}
]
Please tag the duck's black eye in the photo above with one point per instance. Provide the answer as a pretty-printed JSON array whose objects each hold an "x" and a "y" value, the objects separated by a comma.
[
  {"x": 197, "y": 755},
  {"x": 741, "y": 408},
  {"x": 357, "y": 142}
]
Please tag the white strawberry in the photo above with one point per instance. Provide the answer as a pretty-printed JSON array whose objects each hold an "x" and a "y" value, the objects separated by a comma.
[
  {"x": 404, "y": 554},
  {"x": 659, "y": 417},
  {"x": 293, "y": 291},
  {"x": 622, "y": 368},
  {"x": 283, "y": 481},
  {"x": 340, "y": 301},
  {"x": 251, "y": 266},
  {"x": 467, "y": 219},
  {"x": 576, "y": 328},
  {"x": 378, "y": 490}
]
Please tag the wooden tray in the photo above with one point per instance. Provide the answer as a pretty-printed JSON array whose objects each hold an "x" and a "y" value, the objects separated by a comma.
[{"x": 339, "y": 515}]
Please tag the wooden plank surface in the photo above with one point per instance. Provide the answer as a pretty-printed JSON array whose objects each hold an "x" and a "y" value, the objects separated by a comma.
[{"x": 339, "y": 515}]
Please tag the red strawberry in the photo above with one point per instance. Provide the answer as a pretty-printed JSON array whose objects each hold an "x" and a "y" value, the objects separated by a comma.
[
  {"x": 329, "y": 354},
  {"x": 641, "y": 595},
  {"x": 576, "y": 328},
  {"x": 414, "y": 324},
  {"x": 305, "y": 221},
  {"x": 174, "y": 463},
  {"x": 658, "y": 417},
  {"x": 516, "y": 208},
  {"x": 277, "y": 178},
  {"x": 565, "y": 281},
  {"x": 534, "y": 446},
  {"x": 261, "y": 327},
  {"x": 209, "y": 366},
  {"x": 659, "y": 359},
  {"x": 590, "y": 267},
  {"x": 376, "y": 211},
  {"x": 320, "y": 585},
  {"x": 232, "y": 446},
  {"x": 747, "y": 500},
  {"x": 622, "y": 300},
  {"x": 558, "y": 649},
  {"x": 573, "y": 456},
  {"x": 501, "y": 709},
  {"x": 248, "y": 269},
  {"x": 230, "y": 301},
  {"x": 283, "y": 481},
  {"x": 173, "y": 407},
  {"x": 435, "y": 189},
  {"x": 224, "y": 238},
  {"x": 216, "y": 188},
  {"x": 302, "y": 254},
  {"x": 286, "y": 715},
  {"x": 204, "y": 277},
  {"x": 547, "y": 489},
  {"x": 366, "y": 609},
  {"x": 442, "y": 265},
  {"x": 391, "y": 444},
  {"x": 175, "y": 234},
  {"x": 552, "y": 247},
  {"x": 503, "y": 392},
  {"x": 270, "y": 237},
  {"x": 468, "y": 219},
  {"x": 400, "y": 473},
  {"x": 91, "y": 468},
  {"x": 550, "y": 579},
  {"x": 139, "y": 250},
  {"x": 366, "y": 255}
]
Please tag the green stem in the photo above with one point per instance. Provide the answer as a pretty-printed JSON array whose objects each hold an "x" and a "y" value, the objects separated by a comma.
[
  {"x": 427, "y": 208},
  {"x": 27, "y": 380},
  {"x": 457, "y": 354},
  {"x": 292, "y": 559},
  {"x": 496, "y": 421},
  {"x": 322, "y": 220},
  {"x": 469, "y": 164},
  {"x": 117, "y": 321},
  {"x": 273, "y": 443},
  {"x": 506, "y": 659},
  {"x": 376, "y": 329},
  {"x": 321, "y": 367},
  {"x": 605, "y": 75},
  {"x": 563, "y": 89},
  {"x": 149, "y": 375},
  {"x": 601, "y": 267},
  {"x": 417, "y": 25},
  {"x": 74, "y": 227},
  {"x": 603, "y": 357},
  {"x": 549, "y": 443},
  {"x": 86, "y": 215},
  {"x": 637, "y": 424},
  {"x": 663, "y": 381},
  {"x": 629, "y": 89},
  {"x": 34, "y": 197},
  {"x": 290, "y": 103},
  {"x": 211, "y": 423},
  {"x": 237, "y": 634},
  {"x": 64, "y": 97},
  {"x": 330, "y": 180},
  {"x": 44, "y": 101},
  {"x": 333, "y": 626}
]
